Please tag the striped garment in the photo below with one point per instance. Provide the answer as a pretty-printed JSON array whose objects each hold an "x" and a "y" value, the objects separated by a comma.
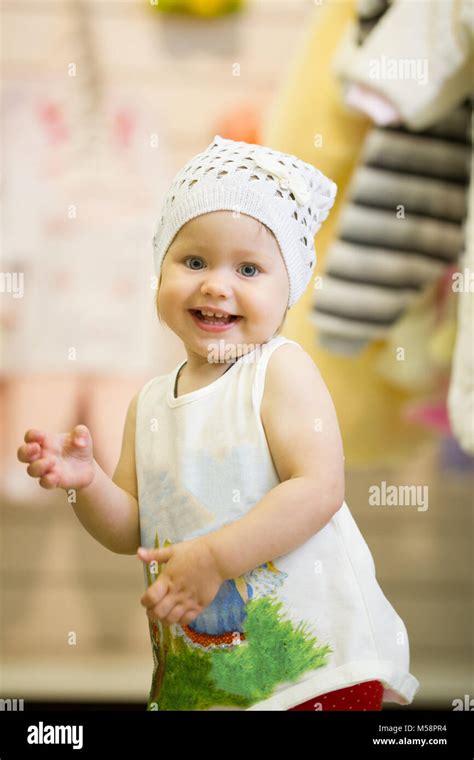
[{"x": 403, "y": 223}]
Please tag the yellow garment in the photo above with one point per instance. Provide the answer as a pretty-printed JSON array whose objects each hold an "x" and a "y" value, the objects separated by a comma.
[
  {"x": 461, "y": 390},
  {"x": 420, "y": 346},
  {"x": 309, "y": 119}
]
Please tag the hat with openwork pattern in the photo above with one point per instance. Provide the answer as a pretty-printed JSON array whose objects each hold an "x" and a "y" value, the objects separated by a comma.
[{"x": 288, "y": 195}]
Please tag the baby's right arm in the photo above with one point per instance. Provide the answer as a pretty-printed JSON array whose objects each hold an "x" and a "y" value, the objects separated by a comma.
[{"x": 107, "y": 508}]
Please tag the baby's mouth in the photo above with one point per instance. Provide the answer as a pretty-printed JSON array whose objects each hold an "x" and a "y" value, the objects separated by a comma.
[{"x": 215, "y": 320}]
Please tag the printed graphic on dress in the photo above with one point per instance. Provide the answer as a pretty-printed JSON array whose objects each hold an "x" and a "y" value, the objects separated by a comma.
[{"x": 236, "y": 651}]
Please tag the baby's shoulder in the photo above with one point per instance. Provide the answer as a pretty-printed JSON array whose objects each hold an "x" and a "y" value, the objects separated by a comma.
[
  {"x": 296, "y": 404},
  {"x": 289, "y": 368},
  {"x": 151, "y": 387},
  {"x": 293, "y": 381}
]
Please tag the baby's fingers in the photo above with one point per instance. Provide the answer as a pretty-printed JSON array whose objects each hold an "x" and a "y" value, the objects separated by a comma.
[
  {"x": 34, "y": 435},
  {"x": 49, "y": 481},
  {"x": 188, "y": 617},
  {"x": 175, "y": 615},
  {"x": 181, "y": 614},
  {"x": 41, "y": 467},
  {"x": 155, "y": 593},
  {"x": 172, "y": 610},
  {"x": 161, "y": 610},
  {"x": 28, "y": 452}
]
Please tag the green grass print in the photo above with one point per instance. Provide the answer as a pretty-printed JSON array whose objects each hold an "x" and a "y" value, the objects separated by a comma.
[{"x": 274, "y": 652}]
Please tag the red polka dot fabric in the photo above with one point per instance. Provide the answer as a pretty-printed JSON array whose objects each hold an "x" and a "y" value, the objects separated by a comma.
[{"x": 362, "y": 696}]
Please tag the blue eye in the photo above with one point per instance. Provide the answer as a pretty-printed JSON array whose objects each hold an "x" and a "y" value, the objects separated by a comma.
[
  {"x": 252, "y": 266},
  {"x": 192, "y": 258},
  {"x": 198, "y": 258}
]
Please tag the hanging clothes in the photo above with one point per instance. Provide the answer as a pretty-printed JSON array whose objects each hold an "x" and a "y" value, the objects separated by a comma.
[
  {"x": 402, "y": 227},
  {"x": 418, "y": 351},
  {"x": 461, "y": 390},
  {"x": 309, "y": 117},
  {"x": 439, "y": 34},
  {"x": 404, "y": 221},
  {"x": 417, "y": 55}
]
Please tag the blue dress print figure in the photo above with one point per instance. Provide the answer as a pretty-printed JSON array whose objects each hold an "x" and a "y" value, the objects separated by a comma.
[{"x": 221, "y": 624}]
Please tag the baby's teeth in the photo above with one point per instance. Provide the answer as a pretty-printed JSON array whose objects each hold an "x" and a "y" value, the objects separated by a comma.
[{"x": 213, "y": 314}]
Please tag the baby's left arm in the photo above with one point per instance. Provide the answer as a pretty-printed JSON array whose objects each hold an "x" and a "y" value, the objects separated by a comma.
[{"x": 305, "y": 442}]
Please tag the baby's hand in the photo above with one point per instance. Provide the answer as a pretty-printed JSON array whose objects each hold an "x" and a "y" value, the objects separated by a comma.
[
  {"x": 187, "y": 584},
  {"x": 59, "y": 460}
]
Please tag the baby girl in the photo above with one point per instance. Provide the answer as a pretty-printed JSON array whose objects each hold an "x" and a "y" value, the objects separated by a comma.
[{"x": 261, "y": 592}]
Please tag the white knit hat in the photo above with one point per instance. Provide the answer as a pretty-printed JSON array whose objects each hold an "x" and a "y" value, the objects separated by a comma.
[{"x": 289, "y": 196}]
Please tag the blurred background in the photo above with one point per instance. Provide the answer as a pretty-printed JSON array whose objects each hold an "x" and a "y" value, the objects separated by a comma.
[{"x": 102, "y": 103}]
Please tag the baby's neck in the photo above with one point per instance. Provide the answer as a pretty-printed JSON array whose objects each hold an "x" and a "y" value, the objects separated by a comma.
[{"x": 186, "y": 382}]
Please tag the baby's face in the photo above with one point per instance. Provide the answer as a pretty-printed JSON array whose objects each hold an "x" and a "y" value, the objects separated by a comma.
[{"x": 230, "y": 263}]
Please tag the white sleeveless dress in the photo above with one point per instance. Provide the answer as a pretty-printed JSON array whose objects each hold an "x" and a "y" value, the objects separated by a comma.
[{"x": 309, "y": 622}]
